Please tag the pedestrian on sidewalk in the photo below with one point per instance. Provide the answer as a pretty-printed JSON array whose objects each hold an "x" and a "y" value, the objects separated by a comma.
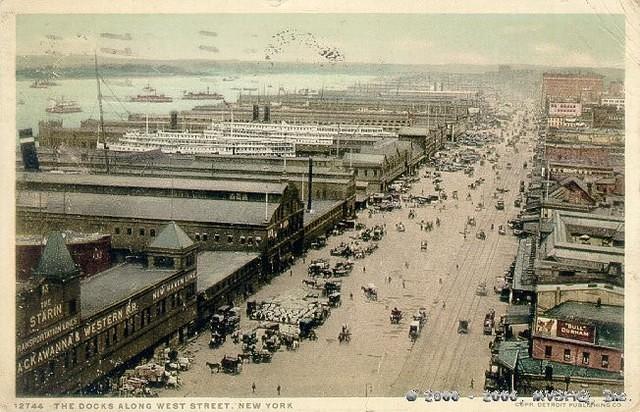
[
  {"x": 457, "y": 267},
  {"x": 471, "y": 383},
  {"x": 291, "y": 273},
  {"x": 278, "y": 389},
  {"x": 389, "y": 279},
  {"x": 364, "y": 269},
  {"x": 403, "y": 284},
  {"x": 253, "y": 387},
  {"x": 444, "y": 305}
]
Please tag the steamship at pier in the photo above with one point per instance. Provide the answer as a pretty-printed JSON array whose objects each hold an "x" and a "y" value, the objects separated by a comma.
[{"x": 241, "y": 138}]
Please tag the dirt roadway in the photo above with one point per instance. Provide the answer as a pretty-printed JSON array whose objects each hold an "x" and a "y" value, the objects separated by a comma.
[{"x": 380, "y": 359}]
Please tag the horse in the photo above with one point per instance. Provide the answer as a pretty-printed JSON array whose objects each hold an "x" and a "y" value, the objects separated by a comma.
[
  {"x": 244, "y": 357},
  {"x": 213, "y": 367}
]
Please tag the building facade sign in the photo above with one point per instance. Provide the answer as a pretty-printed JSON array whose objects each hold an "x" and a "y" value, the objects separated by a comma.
[
  {"x": 576, "y": 331},
  {"x": 168, "y": 288},
  {"x": 78, "y": 333}
]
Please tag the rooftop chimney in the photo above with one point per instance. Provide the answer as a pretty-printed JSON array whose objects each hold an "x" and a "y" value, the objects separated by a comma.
[{"x": 29, "y": 151}]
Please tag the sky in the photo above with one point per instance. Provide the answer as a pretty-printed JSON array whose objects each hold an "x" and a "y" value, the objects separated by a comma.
[{"x": 548, "y": 40}]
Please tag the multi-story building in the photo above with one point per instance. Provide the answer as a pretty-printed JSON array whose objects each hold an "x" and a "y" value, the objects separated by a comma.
[
  {"x": 585, "y": 88},
  {"x": 71, "y": 332},
  {"x": 266, "y": 218},
  {"x": 564, "y": 109},
  {"x": 584, "y": 334},
  {"x": 383, "y": 163},
  {"x": 618, "y": 102}
]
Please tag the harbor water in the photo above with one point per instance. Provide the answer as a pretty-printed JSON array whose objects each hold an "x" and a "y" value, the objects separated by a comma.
[{"x": 32, "y": 102}]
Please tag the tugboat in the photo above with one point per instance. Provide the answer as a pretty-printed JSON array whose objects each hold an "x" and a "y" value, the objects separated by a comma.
[
  {"x": 62, "y": 106},
  {"x": 150, "y": 96},
  {"x": 202, "y": 95}
]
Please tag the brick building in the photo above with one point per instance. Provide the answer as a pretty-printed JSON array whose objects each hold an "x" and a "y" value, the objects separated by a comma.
[
  {"x": 584, "y": 334},
  {"x": 585, "y": 88},
  {"x": 231, "y": 216},
  {"x": 91, "y": 252},
  {"x": 564, "y": 109},
  {"x": 383, "y": 163},
  {"x": 72, "y": 332}
]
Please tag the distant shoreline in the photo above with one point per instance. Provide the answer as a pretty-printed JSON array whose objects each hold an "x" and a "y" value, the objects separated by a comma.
[{"x": 80, "y": 66}]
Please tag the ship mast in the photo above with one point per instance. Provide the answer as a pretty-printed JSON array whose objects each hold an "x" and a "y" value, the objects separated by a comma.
[{"x": 101, "y": 132}]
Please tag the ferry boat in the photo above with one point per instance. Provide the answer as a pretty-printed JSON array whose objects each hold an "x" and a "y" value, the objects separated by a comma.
[
  {"x": 229, "y": 78},
  {"x": 150, "y": 96},
  {"x": 244, "y": 138},
  {"x": 207, "y": 142},
  {"x": 62, "y": 106},
  {"x": 202, "y": 95}
]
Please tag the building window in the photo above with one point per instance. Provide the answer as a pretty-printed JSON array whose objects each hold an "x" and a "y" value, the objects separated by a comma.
[
  {"x": 216, "y": 237},
  {"x": 605, "y": 361},
  {"x": 197, "y": 237},
  {"x": 145, "y": 319},
  {"x": 152, "y": 232},
  {"x": 205, "y": 237},
  {"x": 129, "y": 327},
  {"x": 567, "y": 355},
  {"x": 258, "y": 240},
  {"x": 91, "y": 348},
  {"x": 71, "y": 358},
  {"x": 129, "y": 231},
  {"x": 73, "y": 307},
  {"x": 229, "y": 239},
  {"x": 113, "y": 332},
  {"x": 547, "y": 351},
  {"x": 161, "y": 308},
  {"x": 191, "y": 291},
  {"x": 242, "y": 240},
  {"x": 250, "y": 240},
  {"x": 117, "y": 231},
  {"x": 585, "y": 358},
  {"x": 164, "y": 262},
  {"x": 141, "y": 231}
]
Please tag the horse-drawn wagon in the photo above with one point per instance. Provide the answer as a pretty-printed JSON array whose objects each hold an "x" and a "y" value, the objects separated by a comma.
[
  {"x": 414, "y": 330},
  {"x": 396, "y": 316},
  {"x": 370, "y": 291}
]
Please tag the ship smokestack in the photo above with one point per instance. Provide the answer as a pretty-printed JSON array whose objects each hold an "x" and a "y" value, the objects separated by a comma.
[
  {"x": 29, "y": 150},
  {"x": 267, "y": 114},
  {"x": 256, "y": 113},
  {"x": 174, "y": 120},
  {"x": 310, "y": 182}
]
